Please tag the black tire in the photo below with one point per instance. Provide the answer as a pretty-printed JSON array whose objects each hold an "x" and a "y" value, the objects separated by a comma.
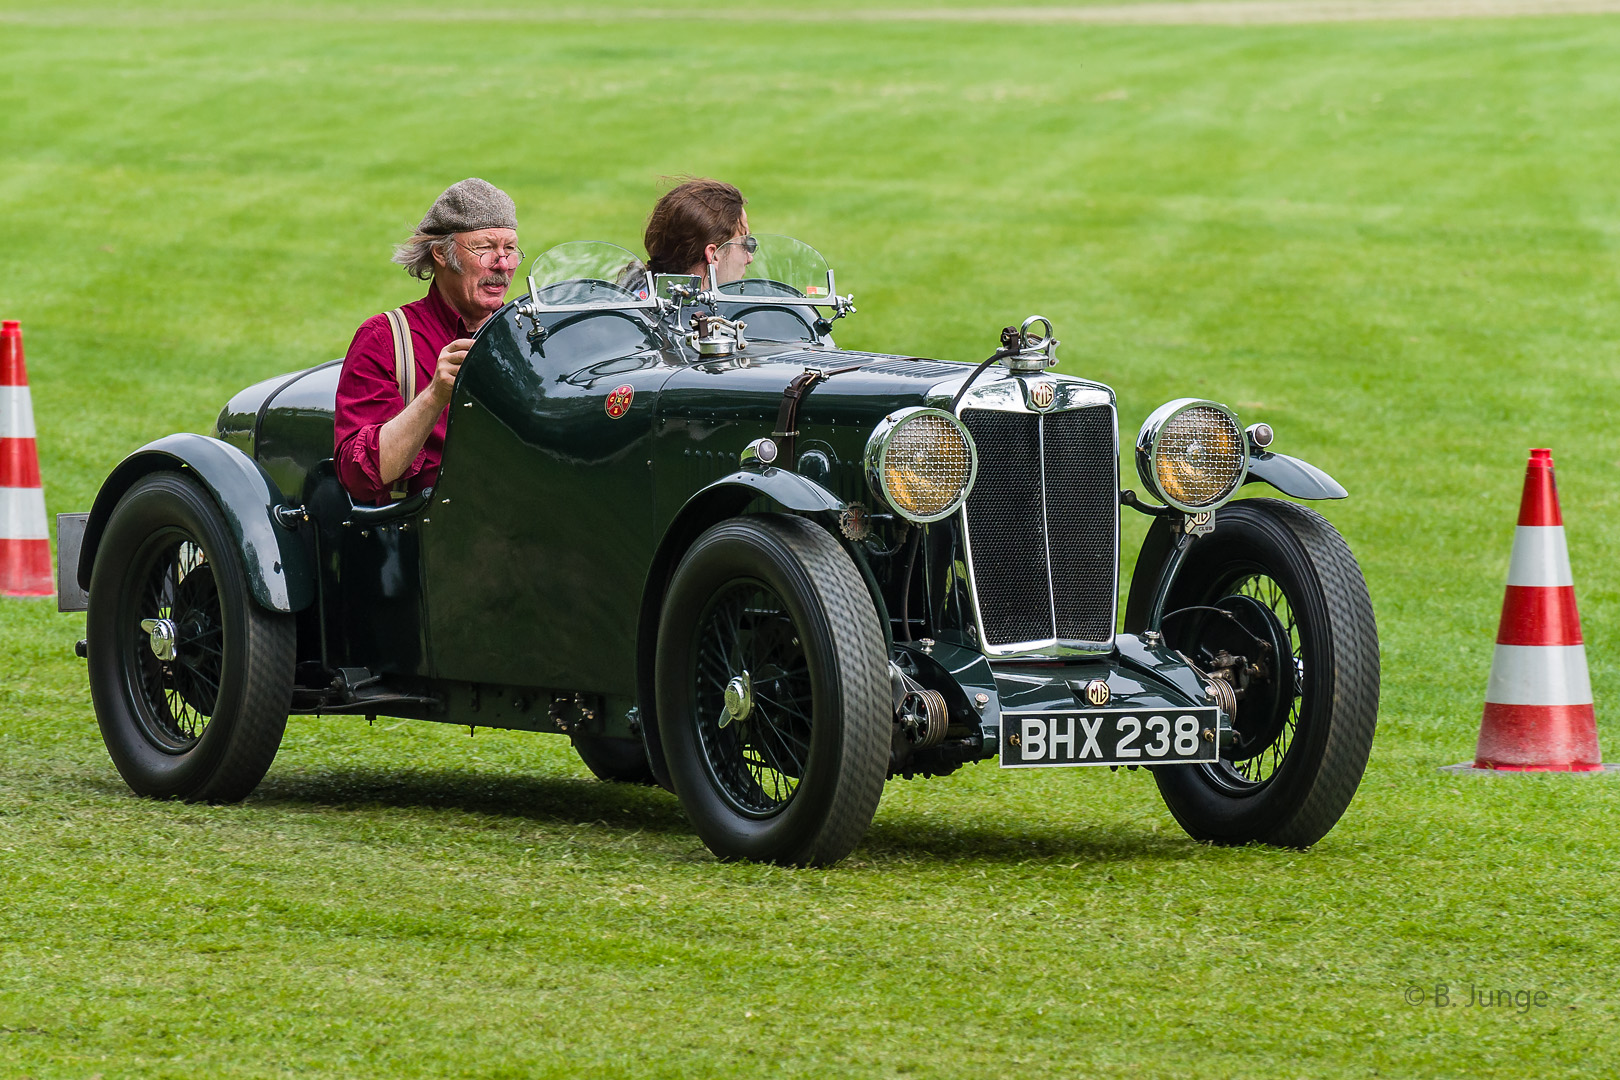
[
  {"x": 206, "y": 724},
  {"x": 1308, "y": 728},
  {"x": 797, "y": 779},
  {"x": 618, "y": 761}
]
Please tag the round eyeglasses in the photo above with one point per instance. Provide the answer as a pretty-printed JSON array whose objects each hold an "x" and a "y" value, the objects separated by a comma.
[
  {"x": 491, "y": 257},
  {"x": 749, "y": 243}
]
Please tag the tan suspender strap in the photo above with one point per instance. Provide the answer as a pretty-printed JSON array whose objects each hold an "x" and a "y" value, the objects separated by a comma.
[
  {"x": 404, "y": 357},
  {"x": 404, "y": 373}
]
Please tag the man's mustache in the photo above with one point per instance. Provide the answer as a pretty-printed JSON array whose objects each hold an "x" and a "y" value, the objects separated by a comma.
[{"x": 497, "y": 278}]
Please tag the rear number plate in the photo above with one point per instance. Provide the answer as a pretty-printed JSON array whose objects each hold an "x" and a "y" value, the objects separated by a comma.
[{"x": 1107, "y": 737}]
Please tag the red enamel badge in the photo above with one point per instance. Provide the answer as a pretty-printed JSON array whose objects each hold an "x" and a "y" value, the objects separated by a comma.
[{"x": 618, "y": 402}]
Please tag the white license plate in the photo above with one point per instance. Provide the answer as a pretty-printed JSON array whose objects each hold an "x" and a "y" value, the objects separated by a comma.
[{"x": 1036, "y": 739}]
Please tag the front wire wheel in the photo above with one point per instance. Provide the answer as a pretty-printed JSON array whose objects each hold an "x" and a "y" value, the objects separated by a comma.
[
  {"x": 772, "y": 692},
  {"x": 191, "y": 678},
  {"x": 1255, "y": 757},
  {"x": 752, "y": 698},
  {"x": 1289, "y": 596}
]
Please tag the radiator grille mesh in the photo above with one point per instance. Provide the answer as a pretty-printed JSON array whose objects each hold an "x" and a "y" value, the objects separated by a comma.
[
  {"x": 1081, "y": 499},
  {"x": 1013, "y": 525}
]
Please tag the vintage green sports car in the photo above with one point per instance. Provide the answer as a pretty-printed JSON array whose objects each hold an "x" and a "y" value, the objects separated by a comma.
[{"x": 677, "y": 524}]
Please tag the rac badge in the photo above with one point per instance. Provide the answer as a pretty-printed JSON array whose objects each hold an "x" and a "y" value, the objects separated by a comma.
[
  {"x": 618, "y": 402},
  {"x": 1041, "y": 394}
]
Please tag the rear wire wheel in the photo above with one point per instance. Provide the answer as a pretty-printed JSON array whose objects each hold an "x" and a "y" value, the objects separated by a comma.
[
  {"x": 191, "y": 678},
  {"x": 1304, "y": 727},
  {"x": 772, "y": 692}
]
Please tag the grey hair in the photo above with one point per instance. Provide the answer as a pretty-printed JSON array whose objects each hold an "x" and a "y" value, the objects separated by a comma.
[{"x": 416, "y": 254}]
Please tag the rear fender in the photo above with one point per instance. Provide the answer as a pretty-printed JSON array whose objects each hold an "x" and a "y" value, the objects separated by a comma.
[
  {"x": 722, "y": 499},
  {"x": 281, "y": 575}
]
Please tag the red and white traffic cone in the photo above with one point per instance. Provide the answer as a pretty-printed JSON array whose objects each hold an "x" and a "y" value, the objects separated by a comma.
[
  {"x": 25, "y": 547},
  {"x": 1538, "y": 703}
]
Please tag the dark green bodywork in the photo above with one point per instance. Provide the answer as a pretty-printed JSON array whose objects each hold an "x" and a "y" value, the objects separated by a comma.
[{"x": 524, "y": 590}]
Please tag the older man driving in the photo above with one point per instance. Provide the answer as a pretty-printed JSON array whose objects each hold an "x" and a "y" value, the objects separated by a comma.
[{"x": 394, "y": 393}]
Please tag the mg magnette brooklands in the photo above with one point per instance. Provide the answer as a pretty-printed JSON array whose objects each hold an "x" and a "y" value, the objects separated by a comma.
[{"x": 677, "y": 524}]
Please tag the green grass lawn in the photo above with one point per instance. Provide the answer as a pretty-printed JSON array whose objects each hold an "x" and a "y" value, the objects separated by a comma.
[{"x": 1396, "y": 242}]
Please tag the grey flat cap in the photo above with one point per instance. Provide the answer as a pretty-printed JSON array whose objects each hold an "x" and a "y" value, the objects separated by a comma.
[{"x": 469, "y": 206}]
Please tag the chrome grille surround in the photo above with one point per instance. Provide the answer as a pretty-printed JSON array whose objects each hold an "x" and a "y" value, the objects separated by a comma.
[{"x": 1041, "y": 526}]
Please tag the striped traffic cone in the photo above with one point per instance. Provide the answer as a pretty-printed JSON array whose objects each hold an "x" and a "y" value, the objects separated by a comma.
[
  {"x": 25, "y": 547},
  {"x": 1538, "y": 703}
]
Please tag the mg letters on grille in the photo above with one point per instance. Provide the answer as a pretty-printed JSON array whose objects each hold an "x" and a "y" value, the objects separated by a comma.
[{"x": 1108, "y": 737}]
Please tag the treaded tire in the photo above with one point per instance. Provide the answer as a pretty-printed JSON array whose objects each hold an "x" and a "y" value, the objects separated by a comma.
[
  {"x": 206, "y": 725},
  {"x": 618, "y": 761},
  {"x": 1317, "y": 761},
  {"x": 791, "y": 591}
]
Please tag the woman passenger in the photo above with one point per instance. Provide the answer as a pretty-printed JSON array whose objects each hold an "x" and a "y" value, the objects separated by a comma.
[{"x": 697, "y": 225}]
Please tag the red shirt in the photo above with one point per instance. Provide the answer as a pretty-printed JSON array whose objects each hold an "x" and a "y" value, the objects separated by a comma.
[{"x": 368, "y": 397}]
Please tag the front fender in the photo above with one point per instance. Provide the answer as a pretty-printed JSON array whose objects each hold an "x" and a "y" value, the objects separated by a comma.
[
  {"x": 790, "y": 490},
  {"x": 1289, "y": 475},
  {"x": 1292, "y": 476},
  {"x": 281, "y": 575}
]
